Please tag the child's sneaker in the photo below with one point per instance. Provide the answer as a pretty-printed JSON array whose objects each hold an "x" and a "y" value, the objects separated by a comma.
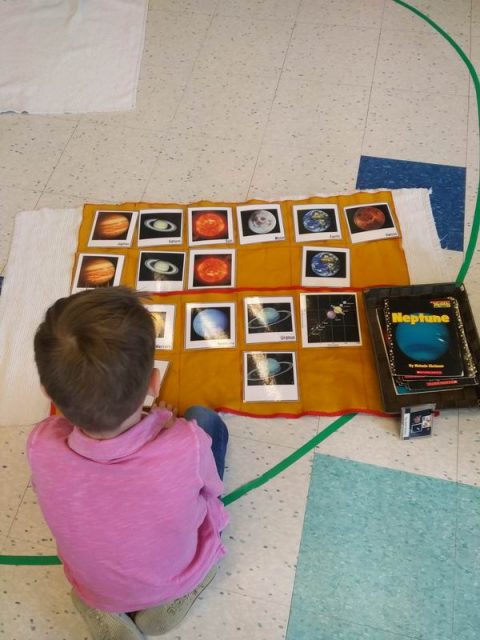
[
  {"x": 104, "y": 625},
  {"x": 161, "y": 619}
]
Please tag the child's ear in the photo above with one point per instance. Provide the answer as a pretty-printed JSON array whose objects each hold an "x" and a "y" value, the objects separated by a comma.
[{"x": 154, "y": 385}]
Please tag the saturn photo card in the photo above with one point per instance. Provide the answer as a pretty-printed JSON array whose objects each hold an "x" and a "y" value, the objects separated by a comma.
[
  {"x": 325, "y": 267},
  {"x": 210, "y": 225},
  {"x": 269, "y": 376},
  {"x": 269, "y": 319},
  {"x": 211, "y": 268},
  {"x": 160, "y": 271},
  {"x": 210, "y": 326},
  {"x": 329, "y": 320},
  {"x": 260, "y": 223},
  {"x": 163, "y": 318},
  {"x": 112, "y": 229},
  {"x": 370, "y": 222},
  {"x": 96, "y": 270},
  {"x": 160, "y": 227},
  {"x": 316, "y": 222}
]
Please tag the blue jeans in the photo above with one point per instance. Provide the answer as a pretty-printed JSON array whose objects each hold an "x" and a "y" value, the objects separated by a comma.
[{"x": 212, "y": 424}]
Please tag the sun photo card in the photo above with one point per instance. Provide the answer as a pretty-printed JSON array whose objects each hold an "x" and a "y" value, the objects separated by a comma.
[
  {"x": 330, "y": 320},
  {"x": 160, "y": 271},
  {"x": 269, "y": 319},
  {"x": 112, "y": 229},
  {"x": 163, "y": 318},
  {"x": 316, "y": 222},
  {"x": 162, "y": 366},
  {"x": 96, "y": 270},
  {"x": 211, "y": 268},
  {"x": 160, "y": 227},
  {"x": 370, "y": 222},
  {"x": 210, "y": 225},
  {"x": 269, "y": 376},
  {"x": 210, "y": 326},
  {"x": 325, "y": 267},
  {"x": 260, "y": 223}
]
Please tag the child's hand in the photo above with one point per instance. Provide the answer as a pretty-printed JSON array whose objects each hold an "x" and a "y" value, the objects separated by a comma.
[{"x": 161, "y": 404}]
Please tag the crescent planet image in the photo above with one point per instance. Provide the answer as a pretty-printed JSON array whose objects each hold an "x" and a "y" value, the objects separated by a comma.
[
  {"x": 96, "y": 272},
  {"x": 212, "y": 270},
  {"x": 111, "y": 226},
  {"x": 369, "y": 218},
  {"x": 211, "y": 324}
]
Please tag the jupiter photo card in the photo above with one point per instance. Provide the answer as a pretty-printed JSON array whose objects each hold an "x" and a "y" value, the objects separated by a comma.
[
  {"x": 260, "y": 223},
  {"x": 163, "y": 316},
  {"x": 112, "y": 229},
  {"x": 325, "y": 267},
  {"x": 316, "y": 222},
  {"x": 210, "y": 326},
  {"x": 269, "y": 376},
  {"x": 160, "y": 271},
  {"x": 96, "y": 270},
  {"x": 269, "y": 319},
  {"x": 211, "y": 268},
  {"x": 329, "y": 320},
  {"x": 158, "y": 227},
  {"x": 370, "y": 222},
  {"x": 210, "y": 225}
]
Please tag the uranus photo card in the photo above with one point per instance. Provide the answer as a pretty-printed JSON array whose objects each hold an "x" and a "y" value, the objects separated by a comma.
[
  {"x": 269, "y": 319},
  {"x": 370, "y": 222},
  {"x": 330, "y": 320},
  {"x": 316, "y": 222},
  {"x": 163, "y": 316},
  {"x": 325, "y": 267},
  {"x": 162, "y": 366},
  {"x": 210, "y": 225},
  {"x": 112, "y": 229},
  {"x": 96, "y": 270},
  {"x": 210, "y": 326},
  {"x": 158, "y": 227},
  {"x": 269, "y": 376},
  {"x": 260, "y": 223},
  {"x": 160, "y": 271},
  {"x": 211, "y": 268}
]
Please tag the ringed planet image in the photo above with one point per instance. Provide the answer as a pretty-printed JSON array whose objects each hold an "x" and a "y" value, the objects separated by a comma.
[
  {"x": 369, "y": 218},
  {"x": 212, "y": 270},
  {"x": 96, "y": 272},
  {"x": 111, "y": 226},
  {"x": 211, "y": 324},
  {"x": 261, "y": 221},
  {"x": 334, "y": 311},
  {"x": 209, "y": 225},
  {"x": 316, "y": 221},
  {"x": 161, "y": 268},
  {"x": 266, "y": 317},
  {"x": 267, "y": 369},
  {"x": 160, "y": 225},
  {"x": 325, "y": 264}
]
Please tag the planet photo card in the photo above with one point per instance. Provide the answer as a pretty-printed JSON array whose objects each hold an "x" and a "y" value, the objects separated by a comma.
[
  {"x": 270, "y": 376},
  {"x": 96, "y": 270},
  {"x": 370, "y": 222},
  {"x": 160, "y": 271},
  {"x": 157, "y": 227},
  {"x": 325, "y": 267},
  {"x": 211, "y": 268},
  {"x": 330, "y": 320},
  {"x": 316, "y": 222},
  {"x": 210, "y": 326},
  {"x": 162, "y": 366},
  {"x": 210, "y": 225},
  {"x": 269, "y": 319},
  {"x": 260, "y": 223},
  {"x": 112, "y": 228},
  {"x": 163, "y": 318}
]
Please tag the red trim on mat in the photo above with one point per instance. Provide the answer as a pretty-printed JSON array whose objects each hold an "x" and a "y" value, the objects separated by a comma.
[
  {"x": 162, "y": 294},
  {"x": 246, "y": 414}
]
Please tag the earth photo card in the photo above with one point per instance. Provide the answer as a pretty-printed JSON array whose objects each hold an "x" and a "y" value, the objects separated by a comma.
[
  {"x": 269, "y": 319},
  {"x": 112, "y": 229},
  {"x": 370, "y": 222},
  {"x": 162, "y": 366},
  {"x": 95, "y": 270},
  {"x": 316, "y": 222},
  {"x": 325, "y": 267},
  {"x": 269, "y": 376},
  {"x": 163, "y": 318},
  {"x": 260, "y": 223},
  {"x": 211, "y": 268},
  {"x": 160, "y": 271},
  {"x": 210, "y": 326},
  {"x": 160, "y": 227},
  {"x": 210, "y": 225},
  {"x": 330, "y": 320}
]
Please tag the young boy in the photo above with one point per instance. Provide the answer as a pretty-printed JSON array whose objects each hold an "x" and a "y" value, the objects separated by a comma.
[{"x": 131, "y": 499}]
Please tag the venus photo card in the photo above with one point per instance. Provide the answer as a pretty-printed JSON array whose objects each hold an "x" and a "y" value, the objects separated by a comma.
[{"x": 112, "y": 229}]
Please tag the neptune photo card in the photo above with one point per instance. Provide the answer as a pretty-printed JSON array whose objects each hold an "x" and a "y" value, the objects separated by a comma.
[{"x": 210, "y": 326}]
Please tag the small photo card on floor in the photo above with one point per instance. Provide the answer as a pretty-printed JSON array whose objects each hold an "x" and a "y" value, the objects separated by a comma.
[
  {"x": 158, "y": 227},
  {"x": 112, "y": 229},
  {"x": 210, "y": 225},
  {"x": 417, "y": 422},
  {"x": 260, "y": 223},
  {"x": 330, "y": 320},
  {"x": 370, "y": 222},
  {"x": 211, "y": 268},
  {"x": 210, "y": 326},
  {"x": 160, "y": 271},
  {"x": 95, "y": 270},
  {"x": 269, "y": 319},
  {"x": 270, "y": 376},
  {"x": 316, "y": 222},
  {"x": 325, "y": 267},
  {"x": 162, "y": 366},
  {"x": 163, "y": 316}
]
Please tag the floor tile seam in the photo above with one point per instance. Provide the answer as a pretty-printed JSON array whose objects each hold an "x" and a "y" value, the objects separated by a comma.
[
  {"x": 14, "y": 518},
  {"x": 421, "y": 92},
  {"x": 280, "y": 602},
  {"x": 60, "y": 156},
  {"x": 289, "y": 448}
]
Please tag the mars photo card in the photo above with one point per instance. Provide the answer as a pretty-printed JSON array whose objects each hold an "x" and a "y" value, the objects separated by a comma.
[
  {"x": 370, "y": 222},
  {"x": 329, "y": 320},
  {"x": 210, "y": 326},
  {"x": 269, "y": 319},
  {"x": 163, "y": 316},
  {"x": 96, "y": 270},
  {"x": 210, "y": 268},
  {"x": 210, "y": 225},
  {"x": 316, "y": 222},
  {"x": 160, "y": 271},
  {"x": 260, "y": 223},
  {"x": 325, "y": 267},
  {"x": 112, "y": 229},
  {"x": 160, "y": 227},
  {"x": 270, "y": 376}
]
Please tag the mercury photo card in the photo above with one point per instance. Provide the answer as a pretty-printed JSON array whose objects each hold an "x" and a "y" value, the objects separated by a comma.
[
  {"x": 269, "y": 319},
  {"x": 163, "y": 318},
  {"x": 330, "y": 320},
  {"x": 210, "y": 225},
  {"x": 96, "y": 270},
  {"x": 260, "y": 223},
  {"x": 270, "y": 376},
  {"x": 210, "y": 326},
  {"x": 112, "y": 229},
  {"x": 211, "y": 268},
  {"x": 316, "y": 222},
  {"x": 157, "y": 227},
  {"x": 160, "y": 271},
  {"x": 162, "y": 366},
  {"x": 370, "y": 222},
  {"x": 325, "y": 267}
]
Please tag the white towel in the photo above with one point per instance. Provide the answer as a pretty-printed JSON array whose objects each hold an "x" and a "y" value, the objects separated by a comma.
[{"x": 70, "y": 56}]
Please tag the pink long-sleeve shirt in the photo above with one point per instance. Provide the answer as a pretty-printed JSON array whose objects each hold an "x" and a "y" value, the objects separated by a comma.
[{"x": 136, "y": 518}]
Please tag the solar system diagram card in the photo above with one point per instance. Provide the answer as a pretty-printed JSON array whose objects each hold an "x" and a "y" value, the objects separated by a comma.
[
  {"x": 260, "y": 223},
  {"x": 211, "y": 268},
  {"x": 163, "y": 317},
  {"x": 269, "y": 319},
  {"x": 96, "y": 270},
  {"x": 370, "y": 222},
  {"x": 325, "y": 267},
  {"x": 112, "y": 229},
  {"x": 316, "y": 222},
  {"x": 269, "y": 376},
  {"x": 329, "y": 320},
  {"x": 160, "y": 227},
  {"x": 210, "y": 326},
  {"x": 160, "y": 271},
  {"x": 210, "y": 225}
]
